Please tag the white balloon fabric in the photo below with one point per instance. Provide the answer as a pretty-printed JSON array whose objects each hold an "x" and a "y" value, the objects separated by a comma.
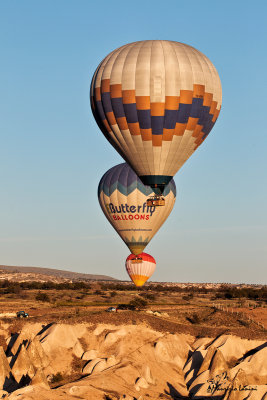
[
  {"x": 156, "y": 101},
  {"x": 123, "y": 199}
]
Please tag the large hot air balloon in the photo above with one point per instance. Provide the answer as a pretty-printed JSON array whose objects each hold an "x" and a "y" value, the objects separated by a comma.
[
  {"x": 156, "y": 102},
  {"x": 122, "y": 197},
  {"x": 140, "y": 268}
]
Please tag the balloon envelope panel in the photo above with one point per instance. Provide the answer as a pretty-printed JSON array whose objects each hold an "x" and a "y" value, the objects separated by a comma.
[
  {"x": 156, "y": 101},
  {"x": 140, "y": 268},
  {"x": 122, "y": 197}
]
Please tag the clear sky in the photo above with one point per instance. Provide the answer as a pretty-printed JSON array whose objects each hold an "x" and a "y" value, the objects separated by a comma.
[{"x": 52, "y": 154}]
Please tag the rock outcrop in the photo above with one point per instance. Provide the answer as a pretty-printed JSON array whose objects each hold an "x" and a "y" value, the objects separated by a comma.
[{"x": 130, "y": 362}]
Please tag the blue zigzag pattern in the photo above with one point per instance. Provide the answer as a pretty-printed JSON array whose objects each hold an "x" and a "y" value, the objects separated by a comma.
[{"x": 125, "y": 173}]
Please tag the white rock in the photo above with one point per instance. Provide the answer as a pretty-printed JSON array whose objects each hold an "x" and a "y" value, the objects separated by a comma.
[
  {"x": 141, "y": 383},
  {"x": 89, "y": 355},
  {"x": 23, "y": 365},
  {"x": 88, "y": 368},
  {"x": 17, "y": 394},
  {"x": 4, "y": 367},
  {"x": 111, "y": 361},
  {"x": 3, "y": 394}
]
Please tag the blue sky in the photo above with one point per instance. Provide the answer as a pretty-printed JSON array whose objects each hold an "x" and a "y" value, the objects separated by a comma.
[{"x": 52, "y": 154}]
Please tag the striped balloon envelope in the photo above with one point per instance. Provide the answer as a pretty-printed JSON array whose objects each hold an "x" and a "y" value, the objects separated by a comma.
[
  {"x": 122, "y": 197},
  {"x": 156, "y": 101},
  {"x": 140, "y": 268}
]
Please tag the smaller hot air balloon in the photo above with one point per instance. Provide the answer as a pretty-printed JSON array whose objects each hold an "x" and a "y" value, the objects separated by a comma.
[{"x": 140, "y": 268}]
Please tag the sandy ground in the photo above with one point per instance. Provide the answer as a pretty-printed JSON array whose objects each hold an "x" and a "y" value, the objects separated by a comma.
[{"x": 258, "y": 314}]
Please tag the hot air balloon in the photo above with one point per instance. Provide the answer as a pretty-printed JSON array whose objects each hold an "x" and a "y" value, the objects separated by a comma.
[
  {"x": 122, "y": 197},
  {"x": 140, "y": 268},
  {"x": 156, "y": 101}
]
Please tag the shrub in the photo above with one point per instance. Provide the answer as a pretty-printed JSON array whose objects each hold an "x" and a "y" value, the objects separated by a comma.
[
  {"x": 56, "y": 378},
  {"x": 188, "y": 296},
  {"x": 11, "y": 287},
  {"x": 194, "y": 319},
  {"x": 138, "y": 303},
  {"x": 243, "y": 322},
  {"x": 42, "y": 297},
  {"x": 99, "y": 292},
  {"x": 77, "y": 364},
  {"x": 232, "y": 362},
  {"x": 148, "y": 296}
]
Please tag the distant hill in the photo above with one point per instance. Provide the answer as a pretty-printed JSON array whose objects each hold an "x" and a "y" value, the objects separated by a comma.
[{"x": 28, "y": 273}]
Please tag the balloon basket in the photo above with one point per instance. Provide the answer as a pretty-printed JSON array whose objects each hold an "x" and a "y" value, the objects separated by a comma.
[
  {"x": 136, "y": 260},
  {"x": 156, "y": 201}
]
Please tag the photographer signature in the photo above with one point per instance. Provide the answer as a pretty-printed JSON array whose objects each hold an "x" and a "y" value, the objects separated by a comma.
[{"x": 221, "y": 383}]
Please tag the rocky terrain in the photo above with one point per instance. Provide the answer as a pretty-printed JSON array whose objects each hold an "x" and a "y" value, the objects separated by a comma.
[
  {"x": 108, "y": 362},
  {"x": 39, "y": 274}
]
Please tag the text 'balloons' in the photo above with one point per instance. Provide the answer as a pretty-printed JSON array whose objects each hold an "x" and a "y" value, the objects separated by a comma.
[{"x": 122, "y": 197}]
